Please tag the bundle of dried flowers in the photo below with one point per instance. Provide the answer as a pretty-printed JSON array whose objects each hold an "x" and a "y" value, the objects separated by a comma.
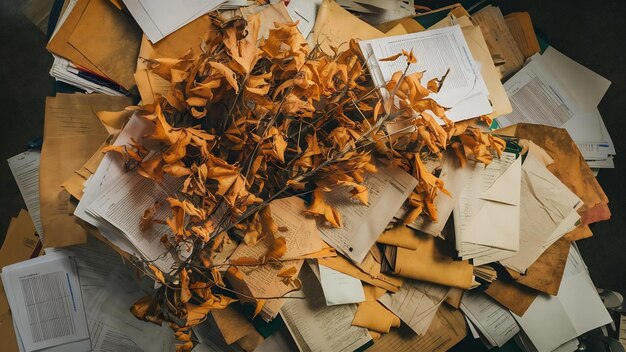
[{"x": 249, "y": 121}]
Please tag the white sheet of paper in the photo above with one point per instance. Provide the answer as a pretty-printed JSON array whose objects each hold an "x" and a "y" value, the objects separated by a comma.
[
  {"x": 575, "y": 310},
  {"x": 304, "y": 11},
  {"x": 438, "y": 50},
  {"x": 495, "y": 323},
  {"x": 363, "y": 224},
  {"x": 158, "y": 18},
  {"x": 340, "y": 288},
  {"x": 416, "y": 303},
  {"x": 46, "y": 302},
  {"x": 25, "y": 170}
]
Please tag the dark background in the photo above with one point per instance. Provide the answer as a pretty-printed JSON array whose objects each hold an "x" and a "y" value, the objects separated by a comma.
[{"x": 590, "y": 32}]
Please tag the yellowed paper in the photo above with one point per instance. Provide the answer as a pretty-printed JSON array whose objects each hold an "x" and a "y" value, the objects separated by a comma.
[
  {"x": 400, "y": 236},
  {"x": 59, "y": 44},
  {"x": 428, "y": 263},
  {"x": 335, "y": 26},
  {"x": 521, "y": 28},
  {"x": 72, "y": 134},
  {"x": 374, "y": 316},
  {"x": 109, "y": 39},
  {"x": 499, "y": 39}
]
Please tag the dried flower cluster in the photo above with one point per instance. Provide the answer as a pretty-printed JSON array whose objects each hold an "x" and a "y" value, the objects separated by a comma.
[{"x": 249, "y": 121}]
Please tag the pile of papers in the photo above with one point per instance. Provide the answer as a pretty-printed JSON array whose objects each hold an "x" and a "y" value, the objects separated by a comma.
[
  {"x": 554, "y": 90},
  {"x": 499, "y": 264}
]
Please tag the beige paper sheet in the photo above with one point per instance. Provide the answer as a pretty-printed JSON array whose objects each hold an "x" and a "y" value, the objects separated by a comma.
[{"x": 72, "y": 134}]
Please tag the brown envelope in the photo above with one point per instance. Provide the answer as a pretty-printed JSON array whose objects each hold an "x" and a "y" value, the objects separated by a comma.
[
  {"x": 545, "y": 273},
  {"x": 113, "y": 122},
  {"x": 400, "y": 26},
  {"x": 335, "y": 26},
  {"x": 429, "y": 263},
  {"x": 7, "y": 333},
  {"x": 449, "y": 330},
  {"x": 521, "y": 28},
  {"x": 59, "y": 43},
  {"x": 72, "y": 133},
  {"x": 512, "y": 295},
  {"x": 109, "y": 39}
]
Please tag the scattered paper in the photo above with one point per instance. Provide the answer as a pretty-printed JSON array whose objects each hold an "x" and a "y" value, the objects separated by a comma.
[
  {"x": 486, "y": 218},
  {"x": 416, "y": 303},
  {"x": 316, "y": 327},
  {"x": 548, "y": 212}
]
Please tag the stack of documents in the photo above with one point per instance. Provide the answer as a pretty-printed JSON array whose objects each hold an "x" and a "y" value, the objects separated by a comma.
[
  {"x": 554, "y": 90},
  {"x": 548, "y": 211},
  {"x": 95, "y": 47},
  {"x": 487, "y": 215},
  {"x": 114, "y": 200},
  {"x": 440, "y": 52}
]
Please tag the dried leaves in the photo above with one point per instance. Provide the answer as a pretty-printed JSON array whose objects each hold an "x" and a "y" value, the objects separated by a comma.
[{"x": 249, "y": 121}]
